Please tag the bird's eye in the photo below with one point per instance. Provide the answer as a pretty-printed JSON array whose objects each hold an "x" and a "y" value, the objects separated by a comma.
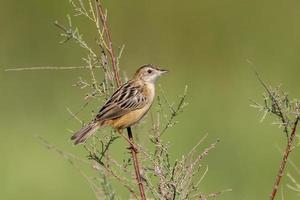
[{"x": 149, "y": 71}]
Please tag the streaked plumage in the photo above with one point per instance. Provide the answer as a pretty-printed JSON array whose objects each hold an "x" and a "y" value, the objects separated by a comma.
[{"x": 128, "y": 104}]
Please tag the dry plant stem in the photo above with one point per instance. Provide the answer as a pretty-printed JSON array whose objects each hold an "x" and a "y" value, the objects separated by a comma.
[
  {"x": 136, "y": 165},
  {"x": 110, "y": 49},
  {"x": 287, "y": 151},
  {"x": 49, "y": 68},
  {"x": 113, "y": 59}
]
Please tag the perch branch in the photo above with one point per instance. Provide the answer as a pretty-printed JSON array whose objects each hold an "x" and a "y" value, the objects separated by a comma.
[{"x": 109, "y": 48}]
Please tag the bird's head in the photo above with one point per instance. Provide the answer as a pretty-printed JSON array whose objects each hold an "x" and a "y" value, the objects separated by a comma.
[{"x": 149, "y": 73}]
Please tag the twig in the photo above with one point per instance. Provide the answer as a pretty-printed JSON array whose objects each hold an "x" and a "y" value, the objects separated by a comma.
[
  {"x": 98, "y": 159},
  {"x": 287, "y": 151},
  {"x": 69, "y": 33},
  {"x": 213, "y": 195},
  {"x": 114, "y": 64},
  {"x": 73, "y": 115},
  {"x": 72, "y": 160},
  {"x": 49, "y": 68},
  {"x": 278, "y": 110},
  {"x": 174, "y": 111}
]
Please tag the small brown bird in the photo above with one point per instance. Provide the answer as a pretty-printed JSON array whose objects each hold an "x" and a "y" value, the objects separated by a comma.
[{"x": 128, "y": 104}]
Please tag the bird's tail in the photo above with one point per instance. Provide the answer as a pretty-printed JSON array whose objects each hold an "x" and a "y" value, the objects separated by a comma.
[{"x": 85, "y": 132}]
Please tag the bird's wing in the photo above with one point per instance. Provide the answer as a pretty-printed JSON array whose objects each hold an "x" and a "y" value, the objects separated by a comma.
[{"x": 127, "y": 98}]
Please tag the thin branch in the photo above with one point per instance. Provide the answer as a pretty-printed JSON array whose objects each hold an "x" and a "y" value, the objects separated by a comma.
[
  {"x": 110, "y": 49},
  {"x": 275, "y": 104},
  {"x": 49, "y": 68},
  {"x": 72, "y": 160},
  {"x": 97, "y": 159},
  {"x": 69, "y": 33},
  {"x": 284, "y": 160},
  {"x": 174, "y": 111}
]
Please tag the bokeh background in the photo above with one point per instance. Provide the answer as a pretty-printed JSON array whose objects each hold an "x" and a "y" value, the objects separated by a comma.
[{"x": 205, "y": 44}]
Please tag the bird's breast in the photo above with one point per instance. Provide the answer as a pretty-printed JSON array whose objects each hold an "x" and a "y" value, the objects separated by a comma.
[{"x": 149, "y": 92}]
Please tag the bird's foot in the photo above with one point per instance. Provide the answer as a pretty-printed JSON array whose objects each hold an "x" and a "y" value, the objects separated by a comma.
[{"x": 134, "y": 148}]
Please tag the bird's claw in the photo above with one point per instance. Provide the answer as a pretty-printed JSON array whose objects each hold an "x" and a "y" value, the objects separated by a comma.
[{"x": 132, "y": 147}]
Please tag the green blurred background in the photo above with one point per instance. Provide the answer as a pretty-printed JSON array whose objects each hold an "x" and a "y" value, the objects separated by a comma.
[{"x": 205, "y": 44}]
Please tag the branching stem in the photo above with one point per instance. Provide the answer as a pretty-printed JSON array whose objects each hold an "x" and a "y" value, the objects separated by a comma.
[{"x": 282, "y": 167}]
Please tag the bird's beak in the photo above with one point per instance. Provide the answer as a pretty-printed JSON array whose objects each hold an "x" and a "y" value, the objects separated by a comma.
[{"x": 163, "y": 71}]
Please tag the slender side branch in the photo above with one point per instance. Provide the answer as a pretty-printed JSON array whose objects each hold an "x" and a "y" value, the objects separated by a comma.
[{"x": 49, "y": 68}]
